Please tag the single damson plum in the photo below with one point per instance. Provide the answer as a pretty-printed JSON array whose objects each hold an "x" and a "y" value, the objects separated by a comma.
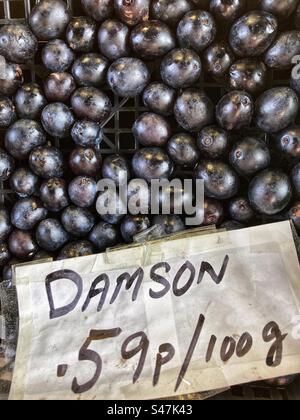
[
  {"x": 240, "y": 210},
  {"x": 59, "y": 87},
  {"x": 98, "y": 9},
  {"x": 85, "y": 161},
  {"x": 296, "y": 178},
  {"x": 82, "y": 191},
  {"x": 116, "y": 168},
  {"x": 4, "y": 254},
  {"x": 132, "y": 225},
  {"x": 253, "y": 33},
  {"x": 159, "y": 98},
  {"x": 152, "y": 39},
  {"x": 90, "y": 70},
  {"x": 54, "y": 194},
  {"x": 110, "y": 200},
  {"x": 249, "y": 75},
  {"x": 218, "y": 58},
  {"x": 294, "y": 214},
  {"x": 152, "y": 163},
  {"x": 50, "y": 235},
  {"x": 220, "y": 181},
  {"x": 11, "y": 79},
  {"x": 57, "y": 120},
  {"x": 91, "y": 103},
  {"x": 104, "y": 235},
  {"x": 7, "y": 165},
  {"x": 76, "y": 249},
  {"x": 183, "y": 150},
  {"x": 22, "y": 244},
  {"x": 213, "y": 212},
  {"x": 86, "y": 133},
  {"x": 227, "y": 11},
  {"x": 151, "y": 130},
  {"x": 169, "y": 224},
  {"x": 49, "y": 19},
  {"x": 249, "y": 156},
  {"x": 196, "y": 30},
  {"x": 128, "y": 77},
  {"x": 194, "y": 109},
  {"x": 24, "y": 182},
  {"x": 77, "y": 221},
  {"x": 213, "y": 142},
  {"x": 7, "y": 112},
  {"x": 113, "y": 39},
  {"x": 30, "y": 101},
  {"x": 170, "y": 11},
  {"x": 81, "y": 34},
  {"x": 276, "y": 109},
  {"x": 235, "y": 110},
  {"x": 286, "y": 46},
  {"x": 5, "y": 225},
  {"x": 27, "y": 213},
  {"x": 282, "y": 8},
  {"x": 132, "y": 12},
  {"x": 57, "y": 56},
  {"x": 270, "y": 192},
  {"x": 181, "y": 68},
  {"x": 47, "y": 162},
  {"x": 288, "y": 142},
  {"x": 17, "y": 43}
]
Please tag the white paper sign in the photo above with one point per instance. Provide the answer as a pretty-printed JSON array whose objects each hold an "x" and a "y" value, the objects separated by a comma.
[{"x": 169, "y": 318}]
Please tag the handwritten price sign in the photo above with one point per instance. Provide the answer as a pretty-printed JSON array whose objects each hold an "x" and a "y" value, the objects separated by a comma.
[{"x": 183, "y": 316}]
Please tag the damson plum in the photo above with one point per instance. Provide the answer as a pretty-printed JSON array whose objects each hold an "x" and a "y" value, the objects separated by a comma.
[
  {"x": 11, "y": 79},
  {"x": 7, "y": 165},
  {"x": 227, "y": 11},
  {"x": 5, "y": 225},
  {"x": 106, "y": 202},
  {"x": 250, "y": 156},
  {"x": 91, "y": 103},
  {"x": 83, "y": 191},
  {"x": 294, "y": 214},
  {"x": 282, "y": 8},
  {"x": 286, "y": 46},
  {"x": 253, "y": 33},
  {"x": 235, "y": 110},
  {"x": 98, "y": 9},
  {"x": 24, "y": 182},
  {"x": 193, "y": 109},
  {"x": 152, "y": 39},
  {"x": 128, "y": 77},
  {"x": 196, "y": 30},
  {"x": 220, "y": 181},
  {"x": 4, "y": 254},
  {"x": 276, "y": 109},
  {"x": 151, "y": 130},
  {"x": 183, "y": 150},
  {"x": 81, "y": 34},
  {"x": 49, "y": 19},
  {"x": 270, "y": 192},
  {"x": 296, "y": 178},
  {"x": 27, "y": 213},
  {"x": 159, "y": 98},
  {"x": 22, "y": 137},
  {"x": 54, "y": 194},
  {"x": 169, "y": 224},
  {"x": 86, "y": 133},
  {"x": 218, "y": 58},
  {"x": 240, "y": 210},
  {"x": 104, "y": 235},
  {"x": 50, "y": 235},
  {"x": 30, "y": 101},
  {"x": 116, "y": 168},
  {"x": 213, "y": 212},
  {"x": 132, "y": 12},
  {"x": 181, "y": 68},
  {"x": 170, "y": 11},
  {"x": 213, "y": 142},
  {"x": 152, "y": 163},
  {"x": 85, "y": 161},
  {"x": 76, "y": 249},
  {"x": 77, "y": 221},
  {"x": 113, "y": 39},
  {"x": 7, "y": 112},
  {"x": 288, "y": 142},
  {"x": 57, "y": 56},
  {"x": 57, "y": 120},
  {"x": 90, "y": 70},
  {"x": 59, "y": 87},
  {"x": 17, "y": 43},
  {"x": 22, "y": 244},
  {"x": 249, "y": 75},
  {"x": 47, "y": 162},
  {"x": 132, "y": 225}
]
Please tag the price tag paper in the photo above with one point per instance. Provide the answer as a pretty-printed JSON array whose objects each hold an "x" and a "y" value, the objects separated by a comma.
[{"x": 168, "y": 318}]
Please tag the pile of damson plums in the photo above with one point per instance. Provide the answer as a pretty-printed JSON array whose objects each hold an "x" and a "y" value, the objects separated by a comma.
[{"x": 244, "y": 143}]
